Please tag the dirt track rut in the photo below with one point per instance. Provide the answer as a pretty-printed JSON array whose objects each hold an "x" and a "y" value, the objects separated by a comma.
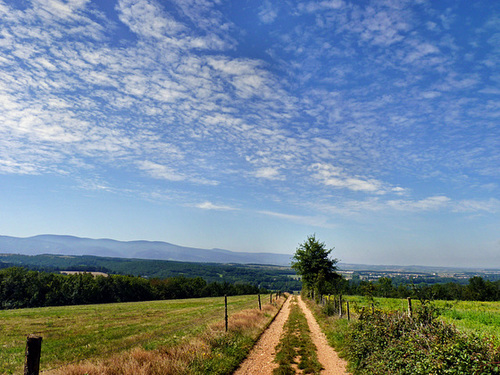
[{"x": 260, "y": 359}]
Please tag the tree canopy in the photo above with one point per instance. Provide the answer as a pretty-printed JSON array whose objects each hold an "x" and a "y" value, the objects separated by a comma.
[{"x": 312, "y": 261}]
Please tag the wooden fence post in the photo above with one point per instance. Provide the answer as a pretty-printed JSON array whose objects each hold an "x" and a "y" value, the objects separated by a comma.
[
  {"x": 225, "y": 310},
  {"x": 271, "y": 297},
  {"x": 260, "y": 306},
  {"x": 348, "y": 311},
  {"x": 33, "y": 351},
  {"x": 340, "y": 306},
  {"x": 410, "y": 311}
]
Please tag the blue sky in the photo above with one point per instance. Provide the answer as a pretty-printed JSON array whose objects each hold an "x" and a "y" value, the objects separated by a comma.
[{"x": 249, "y": 125}]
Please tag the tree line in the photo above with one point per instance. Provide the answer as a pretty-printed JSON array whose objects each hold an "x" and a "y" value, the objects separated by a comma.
[
  {"x": 477, "y": 289},
  {"x": 21, "y": 288}
]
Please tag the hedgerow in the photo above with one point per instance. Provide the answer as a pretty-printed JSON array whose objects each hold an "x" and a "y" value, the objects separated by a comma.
[{"x": 393, "y": 343}]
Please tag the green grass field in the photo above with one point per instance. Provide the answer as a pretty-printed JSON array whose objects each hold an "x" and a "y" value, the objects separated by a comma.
[
  {"x": 73, "y": 333},
  {"x": 468, "y": 316}
]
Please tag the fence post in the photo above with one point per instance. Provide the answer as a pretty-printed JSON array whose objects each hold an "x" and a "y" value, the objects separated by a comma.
[
  {"x": 225, "y": 310},
  {"x": 340, "y": 306},
  {"x": 33, "y": 351},
  {"x": 260, "y": 306},
  {"x": 410, "y": 311},
  {"x": 348, "y": 311},
  {"x": 271, "y": 297}
]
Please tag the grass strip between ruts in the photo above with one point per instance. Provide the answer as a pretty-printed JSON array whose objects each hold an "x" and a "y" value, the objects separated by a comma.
[{"x": 296, "y": 346}]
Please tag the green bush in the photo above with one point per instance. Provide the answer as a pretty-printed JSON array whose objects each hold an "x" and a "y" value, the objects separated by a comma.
[
  {"x": 393, "y": 343},
  {"x": 329, "y": 309}
]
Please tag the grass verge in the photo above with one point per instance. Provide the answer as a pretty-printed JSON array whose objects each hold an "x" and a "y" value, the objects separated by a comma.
[{"x": 296, "y": 347}]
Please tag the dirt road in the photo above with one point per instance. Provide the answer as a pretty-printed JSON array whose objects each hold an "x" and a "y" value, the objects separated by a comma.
[{"x": 261, "y": 359}]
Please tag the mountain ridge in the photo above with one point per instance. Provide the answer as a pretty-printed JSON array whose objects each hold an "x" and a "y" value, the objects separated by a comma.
[{"x": 139, "y": 249}]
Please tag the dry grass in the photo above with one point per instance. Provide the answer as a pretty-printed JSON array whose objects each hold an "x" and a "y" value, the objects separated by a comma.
[{"x": 214, "y": 349}]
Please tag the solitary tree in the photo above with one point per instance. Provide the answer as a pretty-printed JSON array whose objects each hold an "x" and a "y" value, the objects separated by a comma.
[{"x": 312, "y": 261}]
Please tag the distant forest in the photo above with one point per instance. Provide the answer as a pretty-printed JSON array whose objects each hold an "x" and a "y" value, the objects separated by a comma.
[{"x": 21, "y": 288}]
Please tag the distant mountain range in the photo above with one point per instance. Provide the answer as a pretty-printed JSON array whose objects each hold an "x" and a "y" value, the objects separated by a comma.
[{"x": 70, "y": 245}]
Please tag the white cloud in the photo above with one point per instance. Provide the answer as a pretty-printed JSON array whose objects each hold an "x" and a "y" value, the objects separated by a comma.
[
  {"x": 211, "y": 206},
  {"x": 149, "y": 19},
  {"x": 491, "y": 205},
  {"x": 146, "y": 18},
  {"x": 316, "y": 221},
  {"x": 268, "y": 12},
  {"x": 399, "y": 190},
  {"x": 315, "y": 6},
  {"x": 160, "y": 171},
  {"x": 430, "y": 94},
  {"x": 269, "y": 173},
  {"x": 420, "y": 50},
  {"x": 330, "y": 175},
  {"x": 427, "y": 204},
  {"x": 440, "y": 203},
  {"x": 15, "y": 167}
]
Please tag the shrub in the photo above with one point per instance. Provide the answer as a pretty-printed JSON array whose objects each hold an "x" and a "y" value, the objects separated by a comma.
[{"x": 393, "y": 343}]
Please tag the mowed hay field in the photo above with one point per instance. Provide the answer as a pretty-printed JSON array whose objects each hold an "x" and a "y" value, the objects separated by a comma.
[
  {"x": 482, "y": 318},
  {"x": 73, "y": 333}
]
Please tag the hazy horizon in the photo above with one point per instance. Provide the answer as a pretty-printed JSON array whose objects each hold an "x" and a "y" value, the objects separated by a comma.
[{"x": 250, "y": 125}]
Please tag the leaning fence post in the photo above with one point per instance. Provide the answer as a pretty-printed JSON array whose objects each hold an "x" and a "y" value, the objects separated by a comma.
[
  {"x": 33, "y": 351},
  {"x": 409, "y": 307},
  {"x": 260, "y": 306},
  {"x": 225, "y": 309}
]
